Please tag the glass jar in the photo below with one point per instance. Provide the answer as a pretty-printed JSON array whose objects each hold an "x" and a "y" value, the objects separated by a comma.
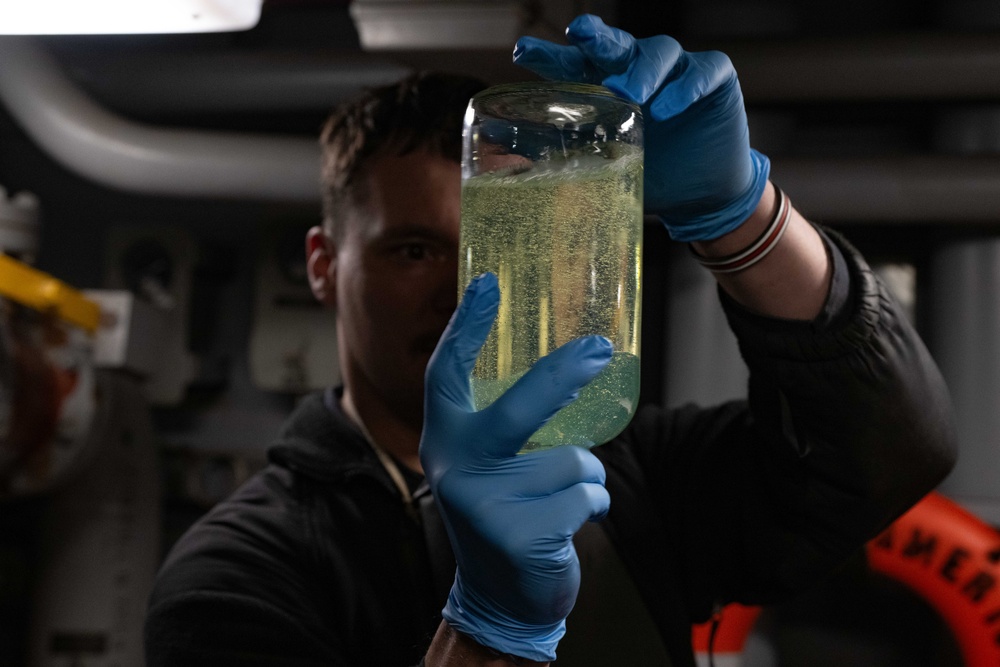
[{"x": 552, "y": 204}]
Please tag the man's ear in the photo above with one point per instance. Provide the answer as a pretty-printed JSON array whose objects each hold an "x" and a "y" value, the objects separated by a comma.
[{"x": 321, "y": 266}]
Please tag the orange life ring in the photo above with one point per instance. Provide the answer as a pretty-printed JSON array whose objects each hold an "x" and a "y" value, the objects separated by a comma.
[
  {"x": 735, "y": 622},
  {"x": 942, "y": 552}
]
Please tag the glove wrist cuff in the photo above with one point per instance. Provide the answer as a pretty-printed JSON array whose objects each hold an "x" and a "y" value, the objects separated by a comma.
[
  {"x": 504, "y": 636},
  {"x": 718, "y": 223}
]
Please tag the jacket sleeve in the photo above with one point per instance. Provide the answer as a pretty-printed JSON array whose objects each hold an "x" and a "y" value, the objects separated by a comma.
[
  {"x": 295, "y": 570},
  {"x": 233, "y": 592},
  {"x": 846, "y": 426},
  {"x": 214, "y": 629},
  {"x": 239, "y": 589}
]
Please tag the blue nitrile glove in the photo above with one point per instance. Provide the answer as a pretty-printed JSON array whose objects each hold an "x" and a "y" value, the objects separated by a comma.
[
  {"x": 701, "y": 176},
  {"x": 510, "y": 518}
]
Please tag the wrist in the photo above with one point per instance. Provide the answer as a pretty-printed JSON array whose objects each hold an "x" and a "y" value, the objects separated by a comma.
[
  {"x": 751, "y": 242},
  {"x": 791, "y": 281},
  {"x": 452, "y": 648}
]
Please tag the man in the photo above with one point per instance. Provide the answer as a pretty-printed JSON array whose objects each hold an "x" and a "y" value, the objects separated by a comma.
[{"x": 341, "y": 553}]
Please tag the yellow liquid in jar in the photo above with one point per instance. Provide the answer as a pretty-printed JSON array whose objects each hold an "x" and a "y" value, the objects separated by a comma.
[{"x": 566, "y": 245}]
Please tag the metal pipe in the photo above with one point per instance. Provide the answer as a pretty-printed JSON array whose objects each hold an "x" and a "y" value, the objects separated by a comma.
[
  {"x": 904, "y": 189},
  {"x": 872, "y": 68},
  {"x": 127, "y": 155},
  {"x": 877, "y": 67},
  {"x": 223, "y": 82},
  {"x": 123, "y": 154}
]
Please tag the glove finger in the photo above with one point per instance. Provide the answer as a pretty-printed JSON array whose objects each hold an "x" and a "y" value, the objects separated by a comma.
[
  {"x": 571, "y": 508},
  {"x": 655, "y": 59},
  {"x": 550, "y": 471},
  {"x": 611, "y": 50},
  {"x": 554, "y": 61},
  {"x": 703, "y": 74},
  {"x": 552, "y": 383},
  {"x": 536, "y": 529},
  {"x": 449, "y": 367}
]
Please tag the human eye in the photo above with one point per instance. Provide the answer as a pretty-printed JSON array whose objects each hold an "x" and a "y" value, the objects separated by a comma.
[{"x": 413, "y": 251}]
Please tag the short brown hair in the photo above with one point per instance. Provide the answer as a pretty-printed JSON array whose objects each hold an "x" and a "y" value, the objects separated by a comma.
[{"x": 424, "y": 111}]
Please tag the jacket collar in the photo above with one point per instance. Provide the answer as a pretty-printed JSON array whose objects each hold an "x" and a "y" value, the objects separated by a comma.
[{"x": 319, "y": 441}]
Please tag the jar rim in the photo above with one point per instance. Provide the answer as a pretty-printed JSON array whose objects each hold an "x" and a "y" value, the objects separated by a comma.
[{"x": 550, "y": 86}]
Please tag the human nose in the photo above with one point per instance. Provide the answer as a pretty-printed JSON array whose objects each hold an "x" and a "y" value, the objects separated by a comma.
[{"x": 446, "y": 291}]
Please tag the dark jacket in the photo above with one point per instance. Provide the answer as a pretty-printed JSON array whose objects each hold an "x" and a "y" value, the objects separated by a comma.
[{"x": 316, "y": 561}]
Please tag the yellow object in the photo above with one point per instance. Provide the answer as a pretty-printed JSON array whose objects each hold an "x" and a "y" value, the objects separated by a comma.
[{"x": 36, "y": 289}]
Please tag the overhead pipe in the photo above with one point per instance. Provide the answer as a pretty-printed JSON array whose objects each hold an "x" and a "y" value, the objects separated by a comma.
[
  {"x": 224, "y": 82},
  {"x": 876, "y": 68},
  {"x": 893, "y": 189},
  {"x": 939, "y": 67},
  {"x": 123, "y": 154}
]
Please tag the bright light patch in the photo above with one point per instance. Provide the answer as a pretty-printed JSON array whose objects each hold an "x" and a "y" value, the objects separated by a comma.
[
  {"x": 627, "y": 125},
  {"x": 117, "y": 17}
]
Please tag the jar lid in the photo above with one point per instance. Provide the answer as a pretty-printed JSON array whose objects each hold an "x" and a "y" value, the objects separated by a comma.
[{"x": 558, "y": 103}]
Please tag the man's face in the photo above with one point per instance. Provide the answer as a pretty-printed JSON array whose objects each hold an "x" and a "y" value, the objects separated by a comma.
[{"x": 394, "y": 278}]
